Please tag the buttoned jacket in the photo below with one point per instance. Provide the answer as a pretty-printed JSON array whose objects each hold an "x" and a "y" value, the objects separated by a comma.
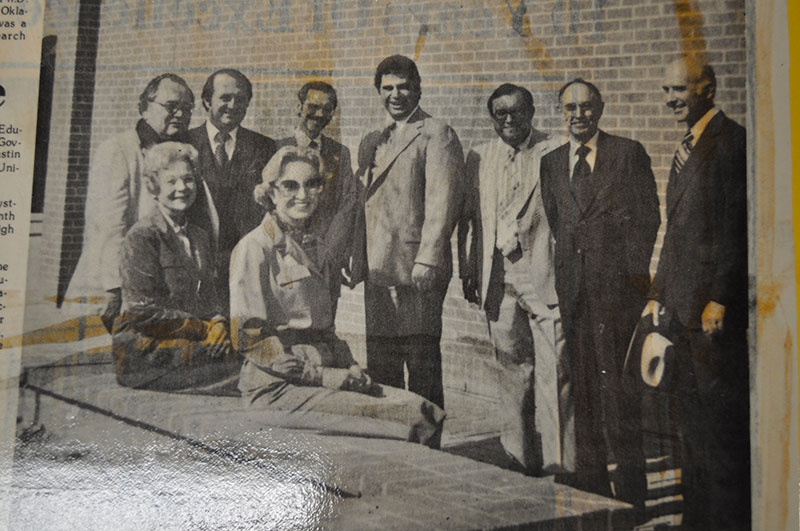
[
  {"x": 231, "y": 188},
  {"x": 413, "y": 197},
  {"x": 704, "y": 256},
  {"x": 165, "y": 292},
  {"x": 603, "y": 248}
]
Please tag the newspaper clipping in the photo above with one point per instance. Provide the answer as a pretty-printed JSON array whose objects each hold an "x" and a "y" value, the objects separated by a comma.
[{"x": 374, "y": 264}]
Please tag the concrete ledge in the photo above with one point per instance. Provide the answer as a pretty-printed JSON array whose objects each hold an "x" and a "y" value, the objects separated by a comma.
[{"x": 362, "y": 483}]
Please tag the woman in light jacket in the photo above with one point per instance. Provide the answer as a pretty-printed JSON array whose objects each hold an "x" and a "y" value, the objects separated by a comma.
[
  {"x": 297, "y": 373},
  {"x": 171, "y": 335}
]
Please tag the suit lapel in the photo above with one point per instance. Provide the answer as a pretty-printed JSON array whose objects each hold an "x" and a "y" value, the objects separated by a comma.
[
  {"x": 400, "y": 141},
  {"x": 679, "y": 183},
  {"x": 171, "y": 239},
  {"x": 208, "y": 164},
  {"x": 531, "y": 159},
  {"x": 236, "y": 166},
  {"x": 561, "y": 162}
]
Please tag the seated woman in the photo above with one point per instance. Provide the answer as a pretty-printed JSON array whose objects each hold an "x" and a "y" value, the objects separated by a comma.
[
  {"x": 296, "y": 371},
  {"x": 170, "y": 335}
]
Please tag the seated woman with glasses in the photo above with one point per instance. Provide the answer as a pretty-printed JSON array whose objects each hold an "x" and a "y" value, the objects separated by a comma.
[
  {"x": 297, "y": 373},
  {"x": 171, "y": 335}
]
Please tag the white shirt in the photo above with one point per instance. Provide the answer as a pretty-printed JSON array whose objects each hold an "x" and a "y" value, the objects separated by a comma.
[
  {"x": 400, "y": 124},
  {"x": 230, "y": 144},
  {"x": 700, "y": 125},
  {"x": 590, "y": 157}
]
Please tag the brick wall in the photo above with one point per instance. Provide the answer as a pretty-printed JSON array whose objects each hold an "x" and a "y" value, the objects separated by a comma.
[{"x": 464, "y": 50}]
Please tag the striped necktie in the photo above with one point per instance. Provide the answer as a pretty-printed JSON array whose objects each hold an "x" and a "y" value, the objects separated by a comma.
[{"x": 683, "y": 152}]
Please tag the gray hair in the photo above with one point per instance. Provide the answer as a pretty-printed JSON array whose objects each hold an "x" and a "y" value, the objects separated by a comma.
[
  {"x": 276, "y": 166},
  {"x": 162, "y": 156}
]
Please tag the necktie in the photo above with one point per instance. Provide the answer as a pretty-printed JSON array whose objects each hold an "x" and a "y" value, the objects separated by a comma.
[
  {"x": 581, "y": 184},
  {"x": 683, "y": 152},
  {"x": 219, "y": 152},
  {"x": 313, "y": 145}
]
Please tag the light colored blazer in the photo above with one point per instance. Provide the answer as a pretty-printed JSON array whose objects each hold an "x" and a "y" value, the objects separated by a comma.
[
  {"x": 278, "y": 294},
  {"x": 412, "y": 198},
  {"x": 478, "y": 227},
  {"x": 115, "y": 200}
]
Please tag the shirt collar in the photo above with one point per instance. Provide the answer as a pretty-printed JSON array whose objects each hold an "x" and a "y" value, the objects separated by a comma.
[
  {"x": 591, "y": 144},
  {"x": 303, "y": 140},
  {"x": 212, "y": 131},
  {"x": 400, "y": 124},
  {"x": 177, "y": 229},
  {"x": 700, "y": 125},
  {"x": 510, "y": 150}
]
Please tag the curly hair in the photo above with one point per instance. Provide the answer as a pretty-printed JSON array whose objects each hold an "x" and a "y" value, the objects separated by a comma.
[{"x": 162, "y": 156}]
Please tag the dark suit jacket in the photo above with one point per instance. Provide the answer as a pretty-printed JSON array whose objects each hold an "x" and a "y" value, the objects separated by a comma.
[
  {"x": 158, "y": 340},
  {"x": 704, "y": 256},
  {"x": 602, "y": 253},
  {"x": 335, "y": 218},
  {"x": 164, "y": 293},
  {"x": 232, "y": 187},
  {"x": 412, "y": 199}
]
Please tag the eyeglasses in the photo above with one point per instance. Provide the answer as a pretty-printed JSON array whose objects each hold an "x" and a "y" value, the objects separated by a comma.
[
  {"x": 172, "y": 107},
  {"x": 290, "y": 188},
  {"x": 502, "y": 115},
  {"x": 313, "y": 108}
]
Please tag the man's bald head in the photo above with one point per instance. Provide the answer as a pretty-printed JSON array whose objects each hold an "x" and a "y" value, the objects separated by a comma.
[{"x": 689, "y": 87}]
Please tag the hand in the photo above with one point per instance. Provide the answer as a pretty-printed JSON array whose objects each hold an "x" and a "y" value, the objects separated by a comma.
[
  {"x": 712, "y": 318},
  {"x": 653, "y": 308},
  {"x": 423, "y": 276},
  {"x": 358, "y": 380},
  {"x": 217, "y": 339},
  {"x": 347, "y": 276},
  {"x": 357, "y": 373},
  {"x": 470, "y": 286},
  {"x": 113, "y": 307},
  {"x": 507, "y": 236}
]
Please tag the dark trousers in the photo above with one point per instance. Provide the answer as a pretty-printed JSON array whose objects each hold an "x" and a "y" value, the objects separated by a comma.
[
  {"x": 714, "y": 418},
  {"x": 404, "y": 327},
  {"x": 607, "y": 413},
  {"x": 421, "y": 356}
]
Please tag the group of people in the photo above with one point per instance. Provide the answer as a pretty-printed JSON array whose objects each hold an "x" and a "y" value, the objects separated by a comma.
[{"x": 217, "y": 257}]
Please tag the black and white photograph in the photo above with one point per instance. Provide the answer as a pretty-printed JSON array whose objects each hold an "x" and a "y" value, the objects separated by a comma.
[{"x": 376, "y": 264}]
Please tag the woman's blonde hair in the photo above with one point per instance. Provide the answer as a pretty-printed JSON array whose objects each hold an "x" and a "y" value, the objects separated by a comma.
[
  {"x": 276, "y": 166},
  {"x": 163, "y": 155}
]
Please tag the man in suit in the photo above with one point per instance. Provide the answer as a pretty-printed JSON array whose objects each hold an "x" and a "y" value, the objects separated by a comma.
[
  {"x": 508, "y": 270},
  {"x": 339, "y": 202},
  {"x": 601, "y": 202},
  {"x": 700, "y": 293},
  {"x": 231, "y": 160},
  {"x": 117, "y": 198},
  {"x": 413, "y": 172}
]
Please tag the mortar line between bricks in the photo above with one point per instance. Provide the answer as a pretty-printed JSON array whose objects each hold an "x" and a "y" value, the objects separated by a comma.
[{"x": 332, "y": 489}]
